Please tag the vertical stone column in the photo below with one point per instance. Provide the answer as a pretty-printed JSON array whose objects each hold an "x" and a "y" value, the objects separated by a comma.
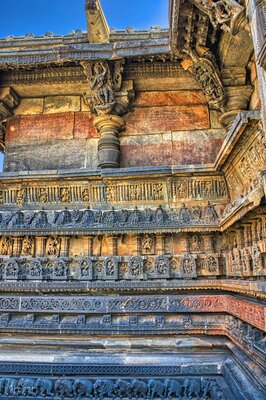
[
  {"x": 208, "y": 243},
  {"x": 138, "y": 245},
  {"x": 64, "y": 246},
  {"x": 109, "y": 127},
  {"x": 40, "y": 242},
  {"x": 160, "y": 244},
  {"x": 114, "y": 240},
  {"x": 17, "y": 243},
  {"x": 90, "y": 246}
]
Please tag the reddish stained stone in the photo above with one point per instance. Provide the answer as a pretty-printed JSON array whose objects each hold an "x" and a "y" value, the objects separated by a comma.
[
  {"x": 144, "y": 155},
  {"x": 170, "y": 153},
  {"x": 83, "y": 126},
  {"x": 40, "y": 128},
  {"x": 202, "y": 152},
  {"x": 170, "y": 98},
  {"x": 165, "y": 119}
]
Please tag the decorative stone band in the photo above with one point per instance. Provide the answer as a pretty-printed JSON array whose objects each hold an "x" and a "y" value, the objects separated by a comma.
[
  {"x": 250, "y": 312},
  {"x": 98, "y": 220},
  {"x": 106, "y": 388},
  {"x": 95, "y": 268},
  {"x": 158, "y": 191}
]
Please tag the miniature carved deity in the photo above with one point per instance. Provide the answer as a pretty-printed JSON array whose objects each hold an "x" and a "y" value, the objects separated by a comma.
[
  {"x": 43, "y": 195},
  {"x": 135, "y": 266},
  {"x": 27, "y": 246},
  {"x": 20, "y": 196},
  {"x": 53, "y": 246},
  {"x": 196, "y": 243},
  {"x": 65, "y": 195},
  {"x": 148, "y": 244},
  {"x": 184, "y": 215},
  {"x": 6, "y": 246}
]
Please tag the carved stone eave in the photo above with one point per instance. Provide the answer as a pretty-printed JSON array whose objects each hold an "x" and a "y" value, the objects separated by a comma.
[
  {"x": 97, "y": 27},
  {"x": 242, "y": 121},
  {"x": 29, "y": 56}
]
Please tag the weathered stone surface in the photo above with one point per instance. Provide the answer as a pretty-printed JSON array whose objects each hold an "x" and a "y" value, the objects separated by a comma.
[
  {"x": 56, "y": 104},
  {"x": 83, "y": 126},
  {"x": 29, "y": 107},
  {"x": 163, "y": 119},
  {"x": 50, "y": 155},
  {"x": 176, "y": 148},
  {"x": 178, "y": 98},
  {"x": 41, "y": 128}
]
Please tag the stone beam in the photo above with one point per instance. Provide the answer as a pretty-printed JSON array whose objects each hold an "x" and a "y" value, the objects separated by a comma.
[{"x": 97, "y": 27}]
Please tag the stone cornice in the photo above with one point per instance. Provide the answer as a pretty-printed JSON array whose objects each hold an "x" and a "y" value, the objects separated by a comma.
[
  {"x": 28, "y": 55},
  {"x": 251, "y": 288}
]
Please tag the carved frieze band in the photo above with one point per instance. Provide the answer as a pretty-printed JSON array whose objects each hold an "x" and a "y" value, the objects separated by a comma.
[
  {"x": 250, "y": 312},
  {"x": 107, "y": 388},
  {"x": 113, "y": 221},
  {"x": 109, "y": 268},
  {"x": 137, "y": 192}
]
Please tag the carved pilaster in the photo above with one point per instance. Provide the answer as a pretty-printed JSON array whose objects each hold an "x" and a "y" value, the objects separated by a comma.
[
  {"x": 17, "y": 242},
  {"x": 109, "y": 99},
  {"x": 208, "y": 243},
  {"x": 109, "y": 127},
  {"x": 114, "y": 245},
  {"x": 40, "y": 243},
  {"x": 160, "y": 245},
  {"x": 90, "y": 246},
  {"x": 8, "y": 101},
  {"x": 64, "y": 246}
]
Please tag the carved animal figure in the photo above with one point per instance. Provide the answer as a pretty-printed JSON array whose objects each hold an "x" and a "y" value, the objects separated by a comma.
[
  {"x": 43, "y": 387},
  {"x": 121, "y": 388},
  {"x": 104, "y": 388},
  {"x": 192, "y": 388},
  {"x": 82, "y": 388},
  {"x": 172, "y": 388},
  {"x": 10, "y": 387},
  {"x": 2, "y": 385},
  {"x": 63, "y": 388},
  {"x": 155, "y": 389},
  {"x": 25, "y": 387},
  {"x": 138, "y": 388}
]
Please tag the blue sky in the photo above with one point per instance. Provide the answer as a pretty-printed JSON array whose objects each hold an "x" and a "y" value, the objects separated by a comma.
[{"x": 62, "y": 16}]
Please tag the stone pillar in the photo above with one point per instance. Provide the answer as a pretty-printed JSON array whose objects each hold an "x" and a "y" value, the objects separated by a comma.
[
  {"x": 238, "y": 98},
  {"x": 40, "y": 244},
  {"x": 208, "y": 243},
  {"x": 114, "y": 240},
  {"x": 64, "y": 246},
  {"x": 17, "y": 243},
  {"x": 160, "y": 244},
  {"x": 109, "y": 127},
  {"x": 138, "y": 245},
  {"x": 90, "y": 246}
]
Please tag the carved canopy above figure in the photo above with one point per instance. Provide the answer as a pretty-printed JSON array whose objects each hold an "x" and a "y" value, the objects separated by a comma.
[{"x": 196, "y": 22}]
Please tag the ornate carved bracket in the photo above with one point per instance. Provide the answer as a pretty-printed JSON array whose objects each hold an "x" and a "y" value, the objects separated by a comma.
[
  {"x": 109, "y": 100},
  {"x": 202, "y": 65},
  {"x": 8, "y": 101},
  {"x": 226, "y": 14}
]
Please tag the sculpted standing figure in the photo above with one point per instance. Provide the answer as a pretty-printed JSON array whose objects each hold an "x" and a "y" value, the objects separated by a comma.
[{"x": 102, "y": 86}]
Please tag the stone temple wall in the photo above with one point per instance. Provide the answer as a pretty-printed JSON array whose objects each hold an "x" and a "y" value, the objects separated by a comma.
[{"x": 132, "y": 209}]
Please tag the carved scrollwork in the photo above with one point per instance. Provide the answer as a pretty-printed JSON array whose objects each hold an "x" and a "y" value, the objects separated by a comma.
[{"x": 202, "y": 65}]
